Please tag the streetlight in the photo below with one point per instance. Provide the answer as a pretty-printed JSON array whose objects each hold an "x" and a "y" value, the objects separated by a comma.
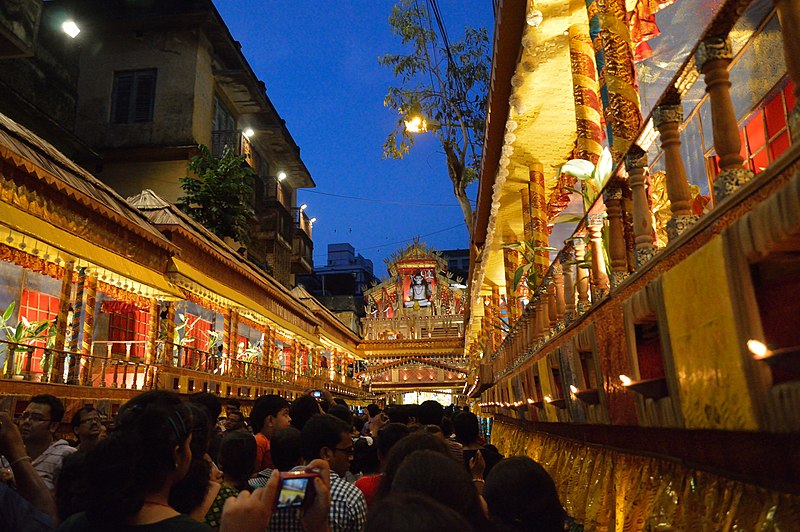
[
  {"x": 281, "y": 176},
  {"x": 249, "y": 132},
  {"x": 417, "y": 124},
  {"x": 303, "y": 207},
  {"x": 70, "y": 28}
]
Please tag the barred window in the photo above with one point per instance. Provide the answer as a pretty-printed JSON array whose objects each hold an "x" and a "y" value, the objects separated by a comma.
[{"x": 133, "y": 97}]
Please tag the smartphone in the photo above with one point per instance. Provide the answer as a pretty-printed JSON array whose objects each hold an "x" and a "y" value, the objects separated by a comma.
[
  {"x": 296, "y": 489},
  {"x": 316, "y": 394}
]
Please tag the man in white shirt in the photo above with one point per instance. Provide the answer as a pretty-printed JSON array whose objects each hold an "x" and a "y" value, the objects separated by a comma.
[{"x": 38, "y": 425}]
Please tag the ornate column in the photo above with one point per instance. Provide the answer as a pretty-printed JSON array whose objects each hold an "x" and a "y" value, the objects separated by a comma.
[
  {"x": 561, "y": 304},
  {"x": 170, "y": 347},
  {"x": 511, "y": 263},
  {"x": 152, "y": 344},
  {"x": 65, "y": 301},
  {"x": 552, "y": 305},
  {"x": 588, "y": 111},
  {"x": 667, "y": 119},
  {"x": 497, "y": 337},
  {"x": 567, "y": 259},
  {"x": 618, "y": 255},
  {"x": 88, "y": 327},
  {"x": 635, "y": 163},
  {"x": 713, "y": 58},
  {"x": 582, "y": 274},
  {"x": 789, "y": 16},
  {"x": 599, "y": 278}
]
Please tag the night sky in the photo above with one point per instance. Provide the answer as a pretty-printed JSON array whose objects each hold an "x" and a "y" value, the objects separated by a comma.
[{"x": 319, "y": 61}]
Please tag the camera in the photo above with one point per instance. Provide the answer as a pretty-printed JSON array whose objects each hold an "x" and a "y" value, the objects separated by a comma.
[{"x": 296, "y": 489}]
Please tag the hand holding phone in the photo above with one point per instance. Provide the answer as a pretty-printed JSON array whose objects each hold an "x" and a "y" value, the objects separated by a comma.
[{"x": 296, "y": 489}]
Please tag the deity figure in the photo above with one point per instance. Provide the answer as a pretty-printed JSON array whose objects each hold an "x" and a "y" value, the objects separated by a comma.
[{"x": 419, "y": 293}]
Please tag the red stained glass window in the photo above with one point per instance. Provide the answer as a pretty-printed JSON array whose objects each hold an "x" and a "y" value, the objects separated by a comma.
[
  {"x": 765, "y": 136},
  {"x": 36, "y": 306},
  {"x": 130, "y": 326}
]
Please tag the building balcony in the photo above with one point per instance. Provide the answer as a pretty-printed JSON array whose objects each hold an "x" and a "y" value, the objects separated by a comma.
[
  {"x": 172, "y": 367},
  {"x": 235, "y": 140}
]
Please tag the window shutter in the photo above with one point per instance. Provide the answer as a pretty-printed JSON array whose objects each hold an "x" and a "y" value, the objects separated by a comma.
[
  {"x": 145, "y": 93},
  {"x": 123, "y": 92}
]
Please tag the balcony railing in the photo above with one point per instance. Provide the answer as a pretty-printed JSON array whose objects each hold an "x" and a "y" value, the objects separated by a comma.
[{"x": 127, "y": 371}]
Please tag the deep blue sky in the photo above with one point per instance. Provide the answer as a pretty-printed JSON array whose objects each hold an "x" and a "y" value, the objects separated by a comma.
[{"x": 319, "y": 60}]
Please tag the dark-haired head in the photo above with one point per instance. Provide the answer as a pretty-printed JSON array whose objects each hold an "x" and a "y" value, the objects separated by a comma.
[
  {"x": 388, "y": 436},
  {"x": 441, "y": 478},
  {"x": 430, "y": 413},
  {"x": 210, "y": 402},
  {"x": 466, "y": 427},
  {"x": 302, "y": 409},
  {"x": 414, "y": 442},
  {"x": 343, "y": 413},
  {"x": 267, "y": 408},
  {"x": 285, "y": 449},
  {"x": 373, "y": 410},
  {"x": 237, "y": 457},
  {"x": 328, "y": 437},
  {"x": 190, "y": 491},
  {"x": 147, "y": 451},
  {"x": 412, "y": 512},
  {"x": 522, "y": 496}
]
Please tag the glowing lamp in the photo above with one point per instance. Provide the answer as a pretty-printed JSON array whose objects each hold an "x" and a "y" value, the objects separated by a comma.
[
  {"x": 70, "y": 28},
  {"x": 573, "y": 388},
  {"x": 758, "y": 349},
  {"x": 248, "y": 133},
  {"x": 626, "y": 381},
  {"x": 281, "y": 176}
]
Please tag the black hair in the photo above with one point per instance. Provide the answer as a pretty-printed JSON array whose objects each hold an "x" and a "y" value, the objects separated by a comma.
[
  {"x": 55, "y": 404},
  {"x": 466, "y": 427},
  {"x": 233, "y": 403},
  {"x": 411, "y": 512},
  {"x": 302, "y": 409},
  {"x": 343, "y": 413},
  {"x": 447, "y": 426},
  {"x": 190, "y": 491},
  {"x": 430, "y": 413},
  {"x": 521, "y": 495},
  {"x": 76, "y": 417},
  {"x": 237, "y": 456},
  {"x": 373, "y": 410},
  {"x": 416, "y": 441},
  {"x": 210, "y": 402},
  {"x": 238, "y": 413},
  {"x": 137, "y": 457},
  {"x": 443, "y": 479},
  {"x": 266, "y": 405},
  {"x": 358, "y": 423},
  {"x": 340, "y": 401},
  {"x": 389, "y": 435},
  {"x": 285, "y": 448},
  {"x": 322, "y": 430}
]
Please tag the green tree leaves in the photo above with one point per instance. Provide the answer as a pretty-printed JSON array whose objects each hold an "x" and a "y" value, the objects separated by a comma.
[{"x": 219, "y": 196}]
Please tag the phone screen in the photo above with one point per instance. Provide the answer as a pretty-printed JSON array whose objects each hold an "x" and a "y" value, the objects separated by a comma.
[
  {"x": 293, "y": 492},
  {"x": 317, "y": 394}
]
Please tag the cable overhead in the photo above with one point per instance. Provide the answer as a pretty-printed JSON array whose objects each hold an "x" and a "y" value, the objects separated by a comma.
[{"x": 390, "y": 202}]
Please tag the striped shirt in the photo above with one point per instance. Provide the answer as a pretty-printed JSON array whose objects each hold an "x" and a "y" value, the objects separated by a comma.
[{"x": 48, "y": 464}]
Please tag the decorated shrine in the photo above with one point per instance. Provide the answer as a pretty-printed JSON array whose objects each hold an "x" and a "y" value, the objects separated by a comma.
[{"x": 413, "y": 331}]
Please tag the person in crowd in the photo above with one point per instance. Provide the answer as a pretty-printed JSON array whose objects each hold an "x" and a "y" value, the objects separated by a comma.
[
  {"x": 522, "y": 496},
  {"x": 232, "y": 405},
  {"x": 86, "y": 426},
  {"x": 30, "y": 506},
  {"x": 432, "y": 413},
  {"x": 412, "y": 512},
  {"x": 196, "y": 491},
  {"x": 441, "y": 478},
  {"x": 327, "y": 438},
  {"x": 467, "y": 430},
  {"x": 302, "y": 409},
  {"x": 285, "y": 448},
  {"x": 38, "y": 425},
  {"x": 237, "y": 458},
  {"x": 415, "y": 441},
  {"x": 270, "y": 414},
  {"x": 387, "y": 438},
  {"x": 234, "y": 422},
  {"x": 130, "y": 474},
  {"x": 372, "y": 411},
  {"x": 213, "y": 407}
]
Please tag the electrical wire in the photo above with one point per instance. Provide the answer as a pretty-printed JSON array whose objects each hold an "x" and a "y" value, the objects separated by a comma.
[
  {"x": 373, "y": 200},
  {"x": 403, "y": 241}
]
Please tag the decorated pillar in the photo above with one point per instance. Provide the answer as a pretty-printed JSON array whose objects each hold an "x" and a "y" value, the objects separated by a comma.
[
  {"x": 588, "y": 111},
  {"x": 234, "y": 335},
  {"x": 511, "y": 262},
  {"x": 265, "y": 347},
  {"x": 582, "y": 274},
  {"x": 713, "y": 58},
  {"x": 552, "y": 312},
  {"x": 635, "y": 163},
  {"x": 561, "y": 304},
  {"x": 599, "y": 277},
  {"x": 618, "y": 254},
  {"x": 152, "y": 344},
  {"x": 497, "y": 337},
  {"x": 611, "y": 39},
  {"x": 227, "y": 321},
  {"x": 77, "y": 321},
  {"x": 789, "y": 16},
  {"x": 65, "y": 301},
  {"x": 170, "y": 347},
  {"x": 567, "y": 260},
  {"x": 88, "y": 324},
  {"x": 668, "y": 119},
  {"x": 538, "y": 206}
]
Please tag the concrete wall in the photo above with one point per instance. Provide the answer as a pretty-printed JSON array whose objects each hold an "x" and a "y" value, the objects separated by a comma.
[
  {"x": 129, "y": 178},
  {"x": 174, "y": 54}
]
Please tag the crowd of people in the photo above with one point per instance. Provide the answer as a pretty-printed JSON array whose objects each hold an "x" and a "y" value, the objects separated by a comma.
[{"x": 314, "y": 464}]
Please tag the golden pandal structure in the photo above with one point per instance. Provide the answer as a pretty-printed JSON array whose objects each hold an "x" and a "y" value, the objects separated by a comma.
[{"x": 655, "y": 368}]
